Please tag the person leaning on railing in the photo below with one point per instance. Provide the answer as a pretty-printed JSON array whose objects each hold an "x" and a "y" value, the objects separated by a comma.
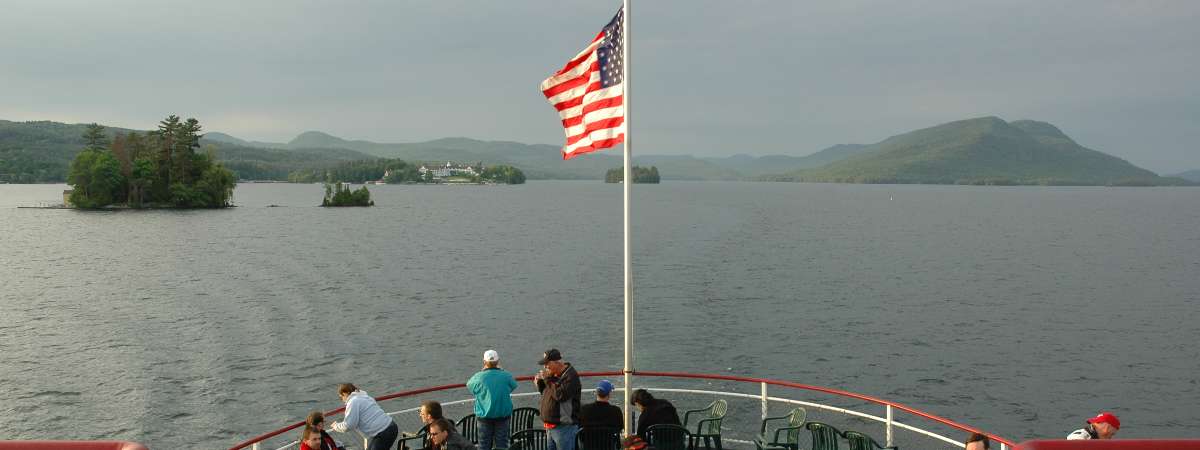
[
  {"x": 492, "y": 387},
  {"x": 364, "y": 415},
  {"x": 559, "y": 385},
  {"x": 1103, "y": 426}
]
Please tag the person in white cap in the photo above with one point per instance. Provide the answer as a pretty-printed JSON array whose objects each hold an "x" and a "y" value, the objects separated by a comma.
[{"x": 493, "y": 389}]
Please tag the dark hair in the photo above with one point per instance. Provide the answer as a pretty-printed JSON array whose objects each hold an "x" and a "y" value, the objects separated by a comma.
[
  {"x": 346, "y": 388},
  {"x": 974, "y": 437},
  {"x": 433, "y": 408},
  {"x": 314, "y": 418},
  {"x": 642, "y": 397},
  {"x": 443, "y": 424}
]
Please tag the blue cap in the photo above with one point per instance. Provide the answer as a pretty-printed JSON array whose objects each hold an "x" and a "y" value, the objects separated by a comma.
[{"x": 604, "y": 387}]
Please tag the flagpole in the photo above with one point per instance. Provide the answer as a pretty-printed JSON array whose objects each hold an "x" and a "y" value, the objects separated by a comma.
[{"x": 626, "y": 185}]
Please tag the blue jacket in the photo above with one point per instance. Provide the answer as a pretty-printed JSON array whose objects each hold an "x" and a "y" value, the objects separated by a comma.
[{"x": 492, "y": 388}]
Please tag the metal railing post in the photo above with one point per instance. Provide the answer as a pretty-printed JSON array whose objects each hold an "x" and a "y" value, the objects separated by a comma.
[
  {"x": 889, "y": 426},
  {"x": 255, "y": 446},
  {"x": 366, "y": 443},
  {"x": 763, "y": 399},
  {"x": 1003, "y": 446}
]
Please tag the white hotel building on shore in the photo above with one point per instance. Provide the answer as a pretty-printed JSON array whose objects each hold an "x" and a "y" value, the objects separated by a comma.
[{"x": 450, "y": 169}]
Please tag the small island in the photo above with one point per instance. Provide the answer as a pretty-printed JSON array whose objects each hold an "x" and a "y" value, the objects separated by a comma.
[
  {"x": 640, "y": 175},
  {"x": 340, "y": 194},
  {"x": 160, "y": 169}
]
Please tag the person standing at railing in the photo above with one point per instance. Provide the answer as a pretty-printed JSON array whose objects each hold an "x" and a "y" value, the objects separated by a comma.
[
  {"x": 1103, "y": 426},
  {"x": 493, "y": 388},
  {"x": 365, "y": 416},
  {"x": 558, "y": 382}
]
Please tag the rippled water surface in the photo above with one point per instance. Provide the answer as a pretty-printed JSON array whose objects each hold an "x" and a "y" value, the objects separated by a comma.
[{"x": 1018, "y": 310}]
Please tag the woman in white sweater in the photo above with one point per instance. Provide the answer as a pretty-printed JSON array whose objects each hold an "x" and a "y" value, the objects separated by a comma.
[{"x": 365, "y": 416}]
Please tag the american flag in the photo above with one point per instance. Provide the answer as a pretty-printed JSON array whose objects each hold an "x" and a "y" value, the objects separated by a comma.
[{"x": 589, "y": 94}]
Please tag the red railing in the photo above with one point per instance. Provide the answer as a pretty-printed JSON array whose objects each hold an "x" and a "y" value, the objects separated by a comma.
[{"x": 788, "y": 384}]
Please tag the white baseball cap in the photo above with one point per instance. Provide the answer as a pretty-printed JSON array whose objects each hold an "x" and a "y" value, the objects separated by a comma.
[{"x": 491, "y": 356}]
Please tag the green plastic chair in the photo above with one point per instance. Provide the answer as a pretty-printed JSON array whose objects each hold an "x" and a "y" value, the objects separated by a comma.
[
  {"x": 598, "y": 439},
  {"x": 523, "y": 419},
  {"x": 786, "y": 435},
  {"x": 824, "y": 436},
  {"x": 666, "y": 436},
  {"x": 532, "y": 439},
  {"x": 708, "y": 428},
  {"x": 421, "y": 437},
  {"x": 468, "y": 427},
  {"x": 860, "y": 441}
]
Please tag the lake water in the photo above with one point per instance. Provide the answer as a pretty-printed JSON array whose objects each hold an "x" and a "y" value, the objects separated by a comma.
[{"x": 1020, "y": 310}]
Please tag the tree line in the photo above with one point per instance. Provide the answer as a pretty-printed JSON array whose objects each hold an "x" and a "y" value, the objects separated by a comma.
[
  {"x": 161, "y": 168},
  {"x": 640, "y": 175}
]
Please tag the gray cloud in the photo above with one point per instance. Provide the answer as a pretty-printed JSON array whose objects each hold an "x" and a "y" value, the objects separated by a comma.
[{"x": 709, "y": 77}]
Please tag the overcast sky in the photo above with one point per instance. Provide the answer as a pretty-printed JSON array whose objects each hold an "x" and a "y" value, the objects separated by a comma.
[{"x": 709, "y": 78}]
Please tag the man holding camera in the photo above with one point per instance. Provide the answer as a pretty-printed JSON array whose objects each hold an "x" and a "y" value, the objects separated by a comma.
[{"x": 558, "y": 382}]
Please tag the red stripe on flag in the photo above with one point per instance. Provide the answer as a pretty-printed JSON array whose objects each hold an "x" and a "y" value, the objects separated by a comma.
[
  {"x": 598, "y": 145},
  {"x": 594, "y": 126}
]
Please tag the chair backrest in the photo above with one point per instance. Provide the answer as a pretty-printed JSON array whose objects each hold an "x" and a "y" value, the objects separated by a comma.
[
  {"x": 532, "y": 439},
  {"x": 598, "y": 439},
  {"x": 711, "y": 417},
  {"x": 860, "y": 441},
  {"x": 468, "y": 427},
  {"x": 665, "y": 436},
  {"x": 795, "y": 421},
  {"x": 523, "y": 419},
  {"x": 824, "y": 436}
]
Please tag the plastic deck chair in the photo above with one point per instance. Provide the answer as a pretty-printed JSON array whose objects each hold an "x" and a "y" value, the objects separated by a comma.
[
  {"x": 665, "y": 436},
  {"x": 824, "y": 436},
  {"x": 860, "y": 441},
  {"x": 532, "y": 439},
  {"x": 598, "y": 439},
  {"x": 468, "y": 427},
  {"x": 708, "y": 428},
  {"x": 786, "y": 435},
  {"x": 409, "y": 442},
  {"x": 523, "y": 419}
]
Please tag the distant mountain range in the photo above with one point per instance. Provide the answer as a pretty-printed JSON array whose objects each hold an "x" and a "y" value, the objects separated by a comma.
[
  {"x": 981, "y": 151},
  {"x": 1191, "y": 175},
  {"x": 984, "y": 150}
]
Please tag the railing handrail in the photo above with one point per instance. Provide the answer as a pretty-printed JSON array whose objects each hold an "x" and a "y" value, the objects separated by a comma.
[{"x": 807, "y": 387}]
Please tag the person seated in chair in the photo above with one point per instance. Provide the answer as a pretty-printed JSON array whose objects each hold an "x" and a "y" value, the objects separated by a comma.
[
  {"x": 443, "y": 436},
  {"x": 601, "y": 413},
  {"x": 653, "y": 411}
]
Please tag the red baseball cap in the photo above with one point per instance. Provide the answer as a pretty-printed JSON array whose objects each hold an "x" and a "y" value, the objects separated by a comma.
[{"x": 1108, "y": 418}]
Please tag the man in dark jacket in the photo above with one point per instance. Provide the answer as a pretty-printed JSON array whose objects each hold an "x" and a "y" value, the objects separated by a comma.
[
  {"x": 653, "y": 411},
  {"x": 601, "y": 413},
  {"x": 559, "y": 385},
  {"x": 443, "y": 436}
]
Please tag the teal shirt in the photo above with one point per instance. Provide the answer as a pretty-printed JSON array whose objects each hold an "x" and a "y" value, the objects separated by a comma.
[{"x": 492, "y": 389}]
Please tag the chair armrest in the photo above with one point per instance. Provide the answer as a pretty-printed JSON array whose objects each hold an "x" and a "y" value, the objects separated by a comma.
[
  {"x": 763, "y": 428},
  {"x": 700, "y": 424},
  {"x": 688, "y": 413},
  {"x": 780, "y": 430}
]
